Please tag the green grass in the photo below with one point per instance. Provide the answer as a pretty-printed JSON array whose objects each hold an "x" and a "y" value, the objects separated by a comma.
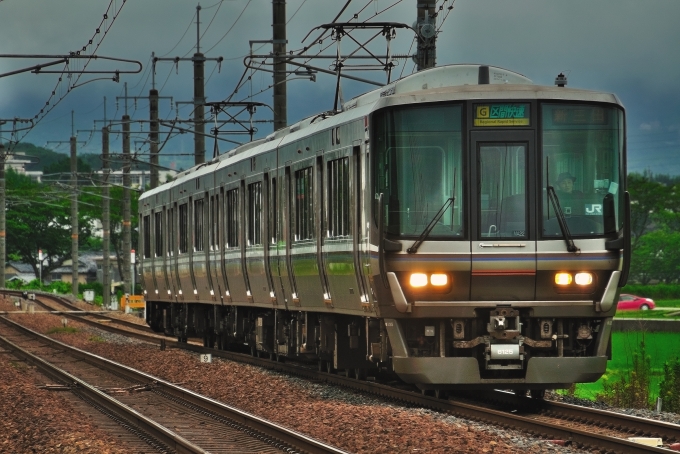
[
  {"x": 665, "y": 315},
  {"x": 667, "y": 303},
  {"x": 661, "y": 347}
]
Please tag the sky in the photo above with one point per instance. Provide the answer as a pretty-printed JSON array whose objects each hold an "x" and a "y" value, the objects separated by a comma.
[{"x": 621, "y": 46}]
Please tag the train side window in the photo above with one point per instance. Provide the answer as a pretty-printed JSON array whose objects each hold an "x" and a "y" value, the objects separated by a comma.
[
  {"x": 198, "y": 225},
  {"x": 147, "y": 236},
  {"x": 184, "y": 228},
  {"x": 172, "y": 239},
  {"x": 254, "y": 214},
  {"x": 214, "y": 223},
  {"x": 158, "y": 234},
  {"x": 232, "y": 218},
  {"x": 338, "y": 197},
  {"x": 304, "y": 204},
  {"x": 274, "y": 212}
]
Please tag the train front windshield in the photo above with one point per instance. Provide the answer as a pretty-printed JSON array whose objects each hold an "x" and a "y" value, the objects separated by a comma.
[
  {"x": 419, "y": 168},
  {"x": 582, "y": 149}
]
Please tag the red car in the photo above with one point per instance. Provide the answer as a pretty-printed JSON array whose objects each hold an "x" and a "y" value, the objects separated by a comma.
[{"x": 634, "y": 303}]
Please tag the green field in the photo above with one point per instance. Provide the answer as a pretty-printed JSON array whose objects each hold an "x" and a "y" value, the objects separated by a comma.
[
  {"x": 661, "y": 347},
  {"x": 664, "y": 315},
  {"x": 668, "y": 303}
]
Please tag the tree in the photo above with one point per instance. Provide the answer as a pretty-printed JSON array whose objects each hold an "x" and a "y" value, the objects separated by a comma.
[
  {"x": 647, "y": 201},
  {"x": 657, "y": 257},
  {"x": 61, "y": 170},
  {"x": 39, "y": 217}
]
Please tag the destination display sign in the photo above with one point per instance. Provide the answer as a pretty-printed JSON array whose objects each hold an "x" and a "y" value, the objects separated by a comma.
[{"x": 502, "y": 115}]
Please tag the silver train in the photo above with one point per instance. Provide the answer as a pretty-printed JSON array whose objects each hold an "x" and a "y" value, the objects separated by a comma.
[{"x": 461, "y": 227}]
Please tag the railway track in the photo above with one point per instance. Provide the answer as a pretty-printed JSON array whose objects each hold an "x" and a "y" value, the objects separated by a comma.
[
  {"x": 569, "y": 424},
  {"x": 150, "y": 406}
]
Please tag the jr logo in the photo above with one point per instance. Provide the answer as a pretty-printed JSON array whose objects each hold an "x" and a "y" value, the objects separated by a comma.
[{"x": 593, "y": 209}]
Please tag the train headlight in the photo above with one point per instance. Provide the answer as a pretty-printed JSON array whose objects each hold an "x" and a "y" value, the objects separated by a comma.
[
  {"x": 583, "y": 278},
  {"x": 418, "y": 280},
  {"x": 563, "y": 278},
  {"x": 439, "y": 279}
]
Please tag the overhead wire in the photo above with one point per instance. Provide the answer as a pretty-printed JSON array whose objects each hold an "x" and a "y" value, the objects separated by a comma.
[
  {"x": 106, "y": 26},
  {"x": 191, "y": 22},
  {"x": 230, "y": 28}
]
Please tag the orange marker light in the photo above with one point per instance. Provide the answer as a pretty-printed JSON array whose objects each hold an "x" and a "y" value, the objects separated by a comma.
[
  {"x": 439, "y": 279},
  {"x": 563, "y": 278},
  {"x": 418, "y": 280},
  {"x": 583, "y": 278}
]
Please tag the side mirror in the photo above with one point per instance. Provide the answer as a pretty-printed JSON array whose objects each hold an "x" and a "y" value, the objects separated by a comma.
[{"x": 609, "y": 215}]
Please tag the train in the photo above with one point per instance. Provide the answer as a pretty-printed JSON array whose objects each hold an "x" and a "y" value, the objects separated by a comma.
[{"x": 461, "y": 227}]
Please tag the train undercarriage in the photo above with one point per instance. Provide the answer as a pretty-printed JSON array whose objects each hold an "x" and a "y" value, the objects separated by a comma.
[{"x": 500, "y": 347}]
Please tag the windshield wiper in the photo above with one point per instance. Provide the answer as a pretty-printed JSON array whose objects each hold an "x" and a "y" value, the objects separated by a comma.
[
  {"x": 414, "y": 247},
  {"x": 561, "y": 220}
]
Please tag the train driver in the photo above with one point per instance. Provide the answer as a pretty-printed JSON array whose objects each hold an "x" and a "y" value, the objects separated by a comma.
[{"x": 571, "y": 199}]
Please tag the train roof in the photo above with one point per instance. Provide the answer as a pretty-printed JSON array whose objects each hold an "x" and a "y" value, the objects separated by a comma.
[{"x": 451, "y": 82}]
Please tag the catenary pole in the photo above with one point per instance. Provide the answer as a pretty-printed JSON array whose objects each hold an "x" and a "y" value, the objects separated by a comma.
[
  {"x": 426, "y": 55},
  {"x": 106, "y": 221},
  {"x": 74, "y": 218},
  {"x": 279, "y": 46},
  {"x": 127, "y": 224}
]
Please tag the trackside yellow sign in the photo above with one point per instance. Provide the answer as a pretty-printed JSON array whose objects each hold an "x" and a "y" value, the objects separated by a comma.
[{"x": 502, "y": 115}]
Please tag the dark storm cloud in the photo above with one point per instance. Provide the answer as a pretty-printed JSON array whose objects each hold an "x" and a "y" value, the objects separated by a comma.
[{"x": 627, "y": 47}]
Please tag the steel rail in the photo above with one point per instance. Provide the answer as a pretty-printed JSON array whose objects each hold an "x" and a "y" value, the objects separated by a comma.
[
  {"x": 503, "y": 418},
  {"x": 282, "y": 434},
  {"x": 161, "y": 434}
]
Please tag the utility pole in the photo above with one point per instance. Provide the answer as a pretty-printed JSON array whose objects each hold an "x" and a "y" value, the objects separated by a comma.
[
  {"x": 74, "y": 214},
  {"x": 154, "y": 127},
  {"x": 199, "y": 90},
  {"x": 279, "y": 46},
  {"x": 106, "y": 218},
  {"x": 127, "y": 225},
  {"x": 153, "y": 137},
  {"x": 199, "y": 95},
  {"x": 3, "y": 219},
  {"x": 427, "y": 35}
]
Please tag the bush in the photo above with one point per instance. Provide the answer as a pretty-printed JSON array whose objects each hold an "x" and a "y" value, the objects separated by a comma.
[
  {"x": 659, "y": 291},
  {"x": 633, "y": 391},
  {"x": 61, "y": 287},
  {"x": 96, "y": 286},
  {"x": 669, "y": 388}
]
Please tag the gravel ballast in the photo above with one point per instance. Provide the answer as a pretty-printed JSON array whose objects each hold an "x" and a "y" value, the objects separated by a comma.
[{"x": 348, "y": 420}]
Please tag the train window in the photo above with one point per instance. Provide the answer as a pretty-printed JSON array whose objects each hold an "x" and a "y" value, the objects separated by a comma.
[
  {"x": 184, "y": 228},
  {"x": 198, "y": 225},
  {"x": 214, "y": 223},
  {"x": 338, "y": 197},
  {"x": 255, "y": 214},
  {"x": 158, "y": 234},
  {"x": 232, "y": 218},
  {"x": 146, "y": 221},
  {"x": 581, "y": 159},
  {"x": 304, "y": 205},
  {"x": 172, "y": 239},
  {"x": 274, "y": 213},
  {"x": 502, "y": 183},
  {"x": 418, "y": 165}
]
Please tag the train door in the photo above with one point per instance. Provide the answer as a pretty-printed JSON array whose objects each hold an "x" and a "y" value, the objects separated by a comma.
[
  {"x": 276, "y": 241},
  {"x": 361, "y": 259},
  {"x": 165, "y": 253},
  {"x": 256, "y": 272},
  {"x": 304, "y": 250},
  {"x": 503, "y": 233}
]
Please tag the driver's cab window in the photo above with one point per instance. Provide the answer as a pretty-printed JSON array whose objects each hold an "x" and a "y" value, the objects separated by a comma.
[
  {"x": 503, "y": 201},
  {"x": 581, "y": 145}
]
